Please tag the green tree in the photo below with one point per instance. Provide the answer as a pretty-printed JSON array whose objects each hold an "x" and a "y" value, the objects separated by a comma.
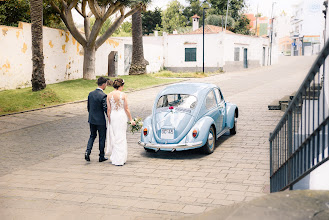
[
  {"x": 173, "y": 17},
  {"x": 150, "y": 20},
  {"x": 101, "y": 10},
  {"x": 194, "y": 7},
  {"x": 123, "y": 30},
  {"x": 126, "y": 27},
  {"x": 235, "y": 8},
  {"x": 242, "y": 26},
  {"x": 14, "y": 11},
  {"x": 219, "y": 20}
]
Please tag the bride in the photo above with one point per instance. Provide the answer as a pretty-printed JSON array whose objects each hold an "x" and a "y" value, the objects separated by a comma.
[{"x": 117, "y": 112}]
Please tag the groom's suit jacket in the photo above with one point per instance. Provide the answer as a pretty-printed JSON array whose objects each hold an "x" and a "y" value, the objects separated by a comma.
[{"x": 97, "y": 106}]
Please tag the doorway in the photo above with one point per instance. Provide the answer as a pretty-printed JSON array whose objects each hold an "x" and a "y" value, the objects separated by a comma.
[
  {"x": 245, "y": 58},
  {"x": 113, "y": 64}
]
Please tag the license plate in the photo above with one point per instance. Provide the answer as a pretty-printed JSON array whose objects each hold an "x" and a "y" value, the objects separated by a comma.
[{"x": 167, "y": 133}]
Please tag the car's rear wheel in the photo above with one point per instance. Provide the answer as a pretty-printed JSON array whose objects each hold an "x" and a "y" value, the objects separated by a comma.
[
  {"x": 149, "y": 150},
  {"x": 209, "y": 147},
  {"x": 234, "y": 129}
]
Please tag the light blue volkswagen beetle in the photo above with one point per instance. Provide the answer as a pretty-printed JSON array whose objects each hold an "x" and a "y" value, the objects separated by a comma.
[{"x": 187, "y": 116}]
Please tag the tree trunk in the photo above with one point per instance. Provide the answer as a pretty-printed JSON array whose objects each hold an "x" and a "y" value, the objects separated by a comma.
[
  {"x": 89, "y": 63},
  {"x": 138, "y": 63},
  {"x": 38, "y": 76}
]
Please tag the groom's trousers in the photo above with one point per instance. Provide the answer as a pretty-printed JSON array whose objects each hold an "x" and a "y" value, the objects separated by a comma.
[{"x": 102, "y": 137}]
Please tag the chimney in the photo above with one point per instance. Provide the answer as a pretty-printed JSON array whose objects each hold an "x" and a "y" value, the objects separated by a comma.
[{"x": 195, "y": 19}]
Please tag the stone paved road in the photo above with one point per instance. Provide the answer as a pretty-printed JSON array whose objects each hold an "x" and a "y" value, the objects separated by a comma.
[{"x": 43, "y": 173}]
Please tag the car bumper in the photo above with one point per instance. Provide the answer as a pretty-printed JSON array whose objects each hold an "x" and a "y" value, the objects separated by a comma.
[{"x": 171, "y": 147}]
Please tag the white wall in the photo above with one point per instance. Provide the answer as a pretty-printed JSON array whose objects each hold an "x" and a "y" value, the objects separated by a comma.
[
  {"x": 175, "y": 50},
  {"x": 219, "y": 49},
  {"x": 15, "y": 57},
  {"x": 253, "y": 44},
  {"x": 63, "y": 56},
  {"x": 153, "y": 53}
]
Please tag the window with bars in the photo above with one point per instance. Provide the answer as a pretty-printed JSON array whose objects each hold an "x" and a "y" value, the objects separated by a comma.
[
  {"x": 236, "y": 53},
  {"x": 190, "y": 54}
]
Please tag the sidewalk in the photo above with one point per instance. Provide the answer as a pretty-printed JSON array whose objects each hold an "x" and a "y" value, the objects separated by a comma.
[{"x": 44, "y": 175}]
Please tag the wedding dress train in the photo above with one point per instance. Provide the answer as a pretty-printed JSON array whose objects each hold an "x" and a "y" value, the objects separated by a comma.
[{"x": 116, "y": 131}]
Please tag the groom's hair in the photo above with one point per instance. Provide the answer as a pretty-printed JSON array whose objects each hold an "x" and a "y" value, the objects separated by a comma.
[{"x": 101, "y": 80}]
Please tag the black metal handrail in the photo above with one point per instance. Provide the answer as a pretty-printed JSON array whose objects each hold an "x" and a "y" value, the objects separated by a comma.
[{"x": 298, "y": 143}]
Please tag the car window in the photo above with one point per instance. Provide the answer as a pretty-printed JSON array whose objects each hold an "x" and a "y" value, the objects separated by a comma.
[
  {"x": 218, "y": 96},
  {"x": 210, "y": 100},
  {"x": 177, "y": 100}
]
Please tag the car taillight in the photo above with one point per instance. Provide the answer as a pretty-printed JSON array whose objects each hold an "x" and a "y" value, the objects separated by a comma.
[
  {"x": 195, "y": 133},
  {"x": 145, "y": 131}
]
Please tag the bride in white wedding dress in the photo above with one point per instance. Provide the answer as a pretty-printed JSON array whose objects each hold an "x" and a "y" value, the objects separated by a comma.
[{"x": 117, "y": 112}]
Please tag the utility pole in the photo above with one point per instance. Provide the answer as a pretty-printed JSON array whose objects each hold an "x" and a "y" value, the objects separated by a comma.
[
  {"x": 203, "y": 40},
  {"x": 256, "y": 20},
  {"x": 228, "y": 2},
  {"x": 325, "y": 3},
  {"x": 272, "y": 25}
]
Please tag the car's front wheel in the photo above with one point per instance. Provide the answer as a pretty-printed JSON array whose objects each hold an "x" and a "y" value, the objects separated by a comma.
[
  {"x": 234, "y": 129},
  {"x": 209, "y": 147}
]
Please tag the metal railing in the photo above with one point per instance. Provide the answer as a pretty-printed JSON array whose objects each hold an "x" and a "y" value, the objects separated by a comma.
[{"x": 299, "y": 143}]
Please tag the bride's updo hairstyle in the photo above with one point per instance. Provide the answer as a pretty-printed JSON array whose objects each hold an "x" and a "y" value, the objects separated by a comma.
[{"x": 118, "y": 83}]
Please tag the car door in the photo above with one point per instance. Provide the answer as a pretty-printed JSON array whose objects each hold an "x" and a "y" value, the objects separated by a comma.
[
  {"x": 212, "y": 108},
  {"x": 221, "y": 109}
]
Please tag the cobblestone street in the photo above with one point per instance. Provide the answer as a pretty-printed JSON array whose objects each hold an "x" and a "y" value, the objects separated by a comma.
[{"x": 43, "y": 174}]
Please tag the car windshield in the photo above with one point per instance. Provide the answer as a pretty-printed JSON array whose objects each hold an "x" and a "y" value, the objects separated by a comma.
[{"x": 177, "y": 100}]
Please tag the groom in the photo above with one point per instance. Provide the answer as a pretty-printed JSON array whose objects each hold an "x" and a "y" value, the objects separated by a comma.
[{"x": 97, "y": 106}]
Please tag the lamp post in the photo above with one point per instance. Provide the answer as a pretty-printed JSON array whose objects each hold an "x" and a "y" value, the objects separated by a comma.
[
  {"x": 203, "y": 40},
  {"x": 228, "y": 2},
  {"x": 271, "y": 33}
]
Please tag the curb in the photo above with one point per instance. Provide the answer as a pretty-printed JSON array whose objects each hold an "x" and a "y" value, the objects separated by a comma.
[{"x": 68, "y": 103}]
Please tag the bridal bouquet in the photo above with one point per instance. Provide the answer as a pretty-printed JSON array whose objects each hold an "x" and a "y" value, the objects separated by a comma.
[{"x": 137, "y": 127}]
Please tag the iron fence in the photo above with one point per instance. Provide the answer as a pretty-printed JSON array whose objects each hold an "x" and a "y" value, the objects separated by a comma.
[{"x": 299, "y": 143}]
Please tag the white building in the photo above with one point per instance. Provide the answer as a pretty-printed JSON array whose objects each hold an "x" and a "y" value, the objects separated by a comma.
[
  {"x": 223, "y": 50},
  {"x": 307, "y": 27},
  {"x": 281, "y": 33}
]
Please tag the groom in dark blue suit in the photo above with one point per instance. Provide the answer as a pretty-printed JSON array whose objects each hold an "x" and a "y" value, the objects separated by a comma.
[{"x": 97, "y": 106}]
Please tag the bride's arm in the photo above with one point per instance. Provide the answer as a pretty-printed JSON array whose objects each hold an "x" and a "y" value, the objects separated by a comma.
[
  {"x": 127, "y": 109},
  {"x": 108, "y": 107}
]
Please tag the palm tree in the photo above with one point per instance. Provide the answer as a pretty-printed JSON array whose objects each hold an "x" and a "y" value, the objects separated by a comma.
[
  {"x": 38, "y": 77},
  {"x": 138, "y": 63}
]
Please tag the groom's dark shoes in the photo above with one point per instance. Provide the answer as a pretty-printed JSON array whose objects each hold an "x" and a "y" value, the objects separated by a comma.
[
  {"x": 101, "y": 159},
  {"x": 87, "y": 158}
]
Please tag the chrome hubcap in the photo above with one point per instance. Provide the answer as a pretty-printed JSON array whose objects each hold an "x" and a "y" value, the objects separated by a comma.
[
  {"x": 210, "y": 139},
  {"x": 236, "y": 124}
]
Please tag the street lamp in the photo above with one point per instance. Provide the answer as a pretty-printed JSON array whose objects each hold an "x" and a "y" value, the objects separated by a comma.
[
  {"x": 228, "y": 2},
  {"x": 271, "y": 33},
  {"x": 203, "y": 40}
]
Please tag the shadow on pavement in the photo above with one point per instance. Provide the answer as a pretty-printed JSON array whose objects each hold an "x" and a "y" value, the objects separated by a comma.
[{"x": 186, "y": 154}]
